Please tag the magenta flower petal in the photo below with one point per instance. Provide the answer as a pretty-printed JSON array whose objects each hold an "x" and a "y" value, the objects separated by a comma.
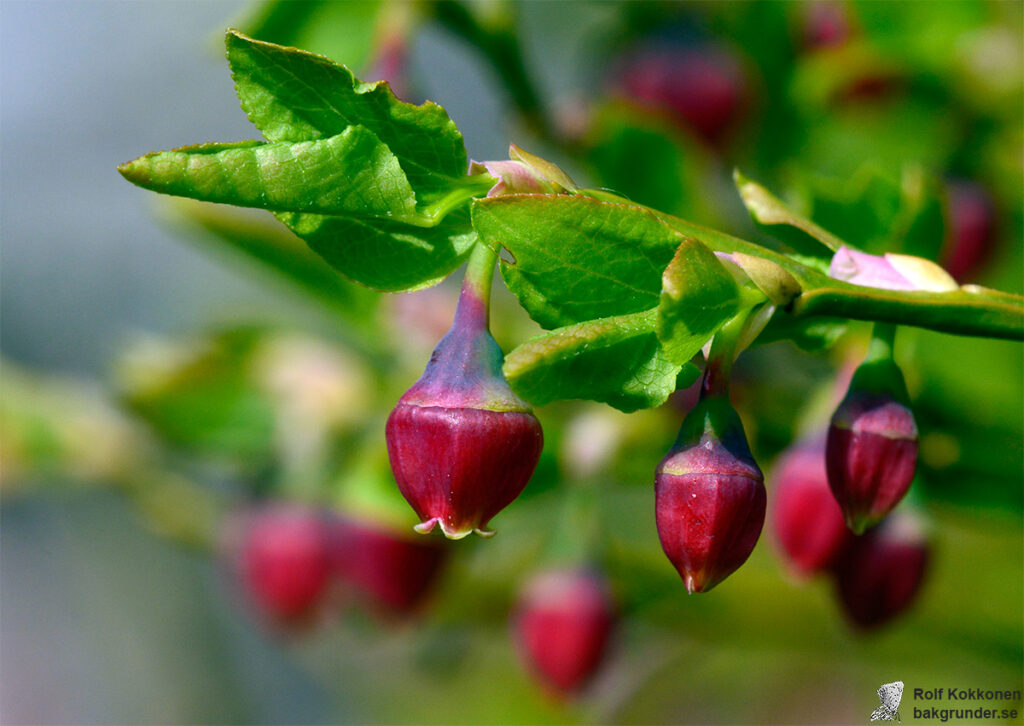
[{"x": 860, "y": 268}]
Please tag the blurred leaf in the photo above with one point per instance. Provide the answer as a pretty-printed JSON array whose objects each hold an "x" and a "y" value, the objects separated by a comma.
[
  {"x": 892, "y": 132},
  {"x": 762, "y": 30},
  {"x": 352, "y": 172},
  {"x": 778, "y": 220},
  {"x": 278, "y": 250},
  {"x": 577, "y": 258},
  {"x": 645, "y": 159},
  {"x": 615, "y": 360},
  {"x": 343, "y": 31},
  {"x": 925, "y": 36},
  {"x": 365, "y": 487},
  {"x": 386, "y": 255},
  {"x": 698, "y": 296},
  {"x": 292, "y": 95},
  {"x": 878, "y": 212},
  {"x": 208, "y": 401},
  {"x": 53, "y": 428},
  {"x": 920, "y": 228},
  {"x": 177, "y": 508},
  {"x": 969, "y": 411}
]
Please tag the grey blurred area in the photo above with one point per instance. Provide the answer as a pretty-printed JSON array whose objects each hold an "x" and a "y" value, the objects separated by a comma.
[
  {"x": 88, "y": 85},
  {"x": 99, "y": 621},
  {"x": 93, "y": 626}
]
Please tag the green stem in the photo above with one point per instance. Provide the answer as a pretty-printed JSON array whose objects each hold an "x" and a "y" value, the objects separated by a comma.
[
  {"x": 576, "y": 537},
  {"x": 879, "y": 372},
  {"x": 882, "y": 344},
  {"x": 960, "y": 313},
  {"x": 464, "y": 189},
  {"x": 718, "y": 369}
]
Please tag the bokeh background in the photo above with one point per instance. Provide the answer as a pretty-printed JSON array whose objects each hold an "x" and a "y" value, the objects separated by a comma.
[{"x": 140, "y": 409}]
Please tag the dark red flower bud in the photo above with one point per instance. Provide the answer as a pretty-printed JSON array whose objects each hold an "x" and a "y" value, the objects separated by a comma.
[
  {"x": 703, "y": 86},
  {"x": 462, "y": 445},
  {"x": 285, "y": 562},
  {"x": 562, "y": 623},
  {"x": 709, "y": 496},
  {"x": 871, "y": 450},
  {"x": 394, "y": 571},
  {"x": 827, "y": 24},
  {"x": 808, "y": 522},
  {"x": 971, "y": 235},
  {"x": 882, "y": 572}
]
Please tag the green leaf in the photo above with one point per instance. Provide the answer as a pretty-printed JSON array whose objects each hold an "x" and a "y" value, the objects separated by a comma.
[
  {"x": 615, "y": 360},
  {"x": 783, "y": 223},
  {"x": 698, "y": 296},
  {"x": 352, "y": 172},
  {"x": 293, "y": 95},
  {"x": 577, "y": 258},
  {"x": 208, "y": 402},
  {"x": 386, "y": 255}
]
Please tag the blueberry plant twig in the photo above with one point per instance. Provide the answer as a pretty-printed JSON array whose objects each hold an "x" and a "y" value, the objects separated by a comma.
[
  {"x": 970, "y": 311},
  {"x": 961, "y": 313}
]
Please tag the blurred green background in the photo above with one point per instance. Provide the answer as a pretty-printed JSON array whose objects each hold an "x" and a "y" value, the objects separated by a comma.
[{"x": 166, "y": 362}]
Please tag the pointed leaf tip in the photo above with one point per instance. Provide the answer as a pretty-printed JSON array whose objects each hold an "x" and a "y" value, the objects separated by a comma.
[
  {"x": 772, "y": 214},
  {"x": 351, "y": 173}
]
